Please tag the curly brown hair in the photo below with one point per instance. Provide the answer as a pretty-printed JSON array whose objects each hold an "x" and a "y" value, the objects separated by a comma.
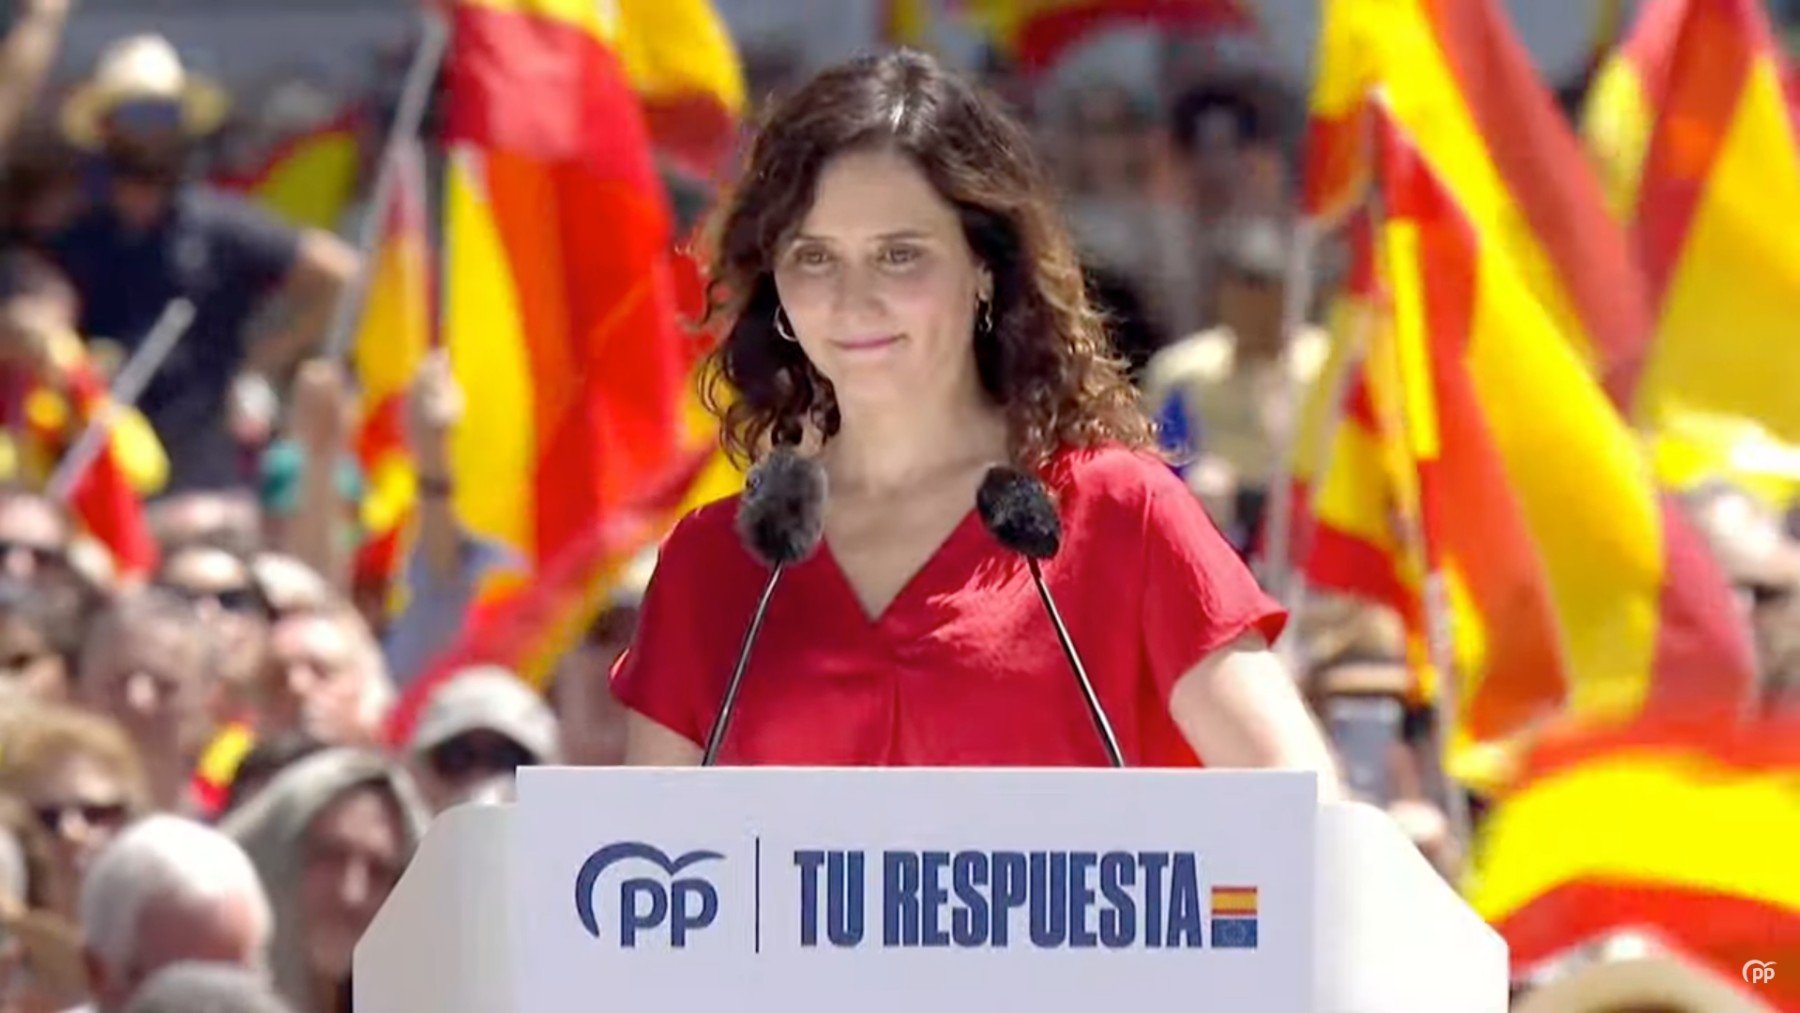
[{"x": 1046, "y": 361}]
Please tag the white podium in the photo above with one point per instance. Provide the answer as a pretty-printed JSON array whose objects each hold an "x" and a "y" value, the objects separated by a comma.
[{"x": 878, "y": 890}]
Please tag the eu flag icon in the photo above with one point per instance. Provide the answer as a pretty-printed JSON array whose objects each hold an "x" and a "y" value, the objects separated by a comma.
[{"x": 1234, "y": 933}]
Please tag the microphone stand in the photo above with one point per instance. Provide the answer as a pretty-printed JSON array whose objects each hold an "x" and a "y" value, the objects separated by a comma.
[
  {"x": 716, "y": 737},
  {"x": 1095, "y": 711}
]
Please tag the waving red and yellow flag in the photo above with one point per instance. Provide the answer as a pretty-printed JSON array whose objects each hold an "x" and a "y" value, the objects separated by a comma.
[
  {"x": 1461, "y": 84},
  {"x": 310, "y": 178},
  {"x": 1682, "y": 827},
  {"x": 1480, "y": 463},
  {"x": 679, "y": 57},
  {"x": 1691, "y": 126},
  {"x": 561, "y": 313},
  {"x": 395, "y": 335},
  {"x": 1038, "y": 32},
  {"x": 561, "y": 304}
]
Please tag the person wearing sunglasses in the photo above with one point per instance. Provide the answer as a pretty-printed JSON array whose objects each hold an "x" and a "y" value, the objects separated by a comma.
[
  {"x": 34, "y": 537},
  {"x": 81, "y": 779},
  {"x": 228, "y": 600},
  {"x": 157, "y": 234},
  {"x": 477, "y": 729}
]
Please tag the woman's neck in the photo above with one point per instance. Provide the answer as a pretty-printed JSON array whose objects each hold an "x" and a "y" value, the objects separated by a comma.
[{"x": 895, "y": 448}]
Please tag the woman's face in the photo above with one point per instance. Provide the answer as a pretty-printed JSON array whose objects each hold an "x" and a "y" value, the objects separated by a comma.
[
  {"x": 354, "y": 852},
  {"x": 82, "y": 806},
  {"x": 880, "y": 286}
]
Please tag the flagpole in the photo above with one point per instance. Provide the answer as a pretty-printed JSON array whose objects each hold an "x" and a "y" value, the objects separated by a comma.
[
  {"x": 409, "y": 114},
  {"x": 128, "y": 385},
  {"x": 1295, "y": 592},
  {"x": 1277, "y": 562},
  {"x": 1434, "y": 599}
]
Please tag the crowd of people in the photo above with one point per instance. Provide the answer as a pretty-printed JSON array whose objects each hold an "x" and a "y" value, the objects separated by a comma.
[{"x": 199, "y": 807}]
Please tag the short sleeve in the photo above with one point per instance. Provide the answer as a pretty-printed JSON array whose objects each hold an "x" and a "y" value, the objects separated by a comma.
[
  {"x": 1198, "y": 594},
  {"x": 662, "y": 675},
  {"x": 253, "y": 247}
]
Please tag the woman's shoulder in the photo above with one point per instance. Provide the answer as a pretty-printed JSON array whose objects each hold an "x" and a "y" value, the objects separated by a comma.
[
  {"x": 706, "y": 529},
  {"x": 1113, "y": 474},
  {"x": 702, "y": 546}
]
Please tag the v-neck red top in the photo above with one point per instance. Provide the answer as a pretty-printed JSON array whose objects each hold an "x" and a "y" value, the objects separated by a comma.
[{"x": 963, "y": 668}]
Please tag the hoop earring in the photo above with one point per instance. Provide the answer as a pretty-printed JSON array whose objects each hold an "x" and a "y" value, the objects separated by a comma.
[
  {"x": 984, "y": 323},
  {"x": 784, "y": 333}
]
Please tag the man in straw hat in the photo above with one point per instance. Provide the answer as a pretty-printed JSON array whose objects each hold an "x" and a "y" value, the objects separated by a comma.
[{"x": 156, "y": 235}]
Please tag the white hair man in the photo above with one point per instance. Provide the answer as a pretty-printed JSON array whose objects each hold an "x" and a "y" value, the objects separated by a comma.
[
  {"x": 169, "y": 890},
  {"x": 207, "y": 988}
]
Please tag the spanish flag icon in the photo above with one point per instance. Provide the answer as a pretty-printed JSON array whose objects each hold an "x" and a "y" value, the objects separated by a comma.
[{"x": 1234, "y": 917}]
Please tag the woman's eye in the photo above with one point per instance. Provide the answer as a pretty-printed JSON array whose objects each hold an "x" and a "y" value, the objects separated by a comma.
[
  {"x": 811, "y": 256},
  {"x": 899, "y": 256}
]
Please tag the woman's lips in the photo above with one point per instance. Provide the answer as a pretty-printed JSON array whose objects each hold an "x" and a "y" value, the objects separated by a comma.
[{"x": 868, "y": 344}]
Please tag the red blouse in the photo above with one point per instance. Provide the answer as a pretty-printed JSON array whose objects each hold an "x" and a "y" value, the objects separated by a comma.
[{"x": 963, "y": 668}]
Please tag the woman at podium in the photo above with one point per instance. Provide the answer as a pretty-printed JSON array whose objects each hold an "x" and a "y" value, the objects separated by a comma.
[{"x": 905, "y": 308}]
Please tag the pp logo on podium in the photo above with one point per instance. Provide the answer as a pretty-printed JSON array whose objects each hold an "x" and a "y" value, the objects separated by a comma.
[
  {"x": 1759, "y": 972},
  {"x": 647, "y": 903}
]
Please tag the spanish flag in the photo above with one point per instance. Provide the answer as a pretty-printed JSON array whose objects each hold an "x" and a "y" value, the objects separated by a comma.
[
  {"x": 104, "y": 497},
  {"x": 48, "y": 418},
  {"x": 679, "y": 57},
  {"x": 1693, "y": 132},
  {"x": 561, "y": 317},
  {"x": 1468, "y": 416},
  {"x": 1680, "y": 826},
  {"x": 309, "y": 179},
  {"x": 1036, "y": 33},
  {"x": 391, "y": 343},
  {"x": 1460, "y": 83},
  {"x": 560, "y": 308}
]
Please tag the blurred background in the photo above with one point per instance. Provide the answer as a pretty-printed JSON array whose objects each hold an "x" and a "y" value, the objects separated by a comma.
[{"x": 347, "y": 384}]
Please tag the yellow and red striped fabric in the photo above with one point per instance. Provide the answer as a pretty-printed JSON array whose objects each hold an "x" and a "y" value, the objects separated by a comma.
[
  {"x": 391, "y": 343},
  {"x": 1460, "y": 82},
  {"x": 560, "y": 315},
  {"x": 561, "y": 322},
  {"x": 104, "y": 498},
  {"x": 310, "y": 178},
  {"x": 679, "y": 57},
  {"x": 1469, "y": 419},
  {"x": 1683, "y": 827},
  {"x": 1692, "y": 127},
  {"x": 45, "y": 420},
  {"x": 1036, "y": 33}
]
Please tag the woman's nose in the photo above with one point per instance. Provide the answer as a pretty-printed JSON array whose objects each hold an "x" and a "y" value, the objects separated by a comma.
[{"x": 857, "y": 290}]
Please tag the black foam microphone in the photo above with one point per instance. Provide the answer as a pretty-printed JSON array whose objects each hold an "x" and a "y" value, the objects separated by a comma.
[
  {"x": 780, "y": 519},
  {"x": 1019, "y": 513}
]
